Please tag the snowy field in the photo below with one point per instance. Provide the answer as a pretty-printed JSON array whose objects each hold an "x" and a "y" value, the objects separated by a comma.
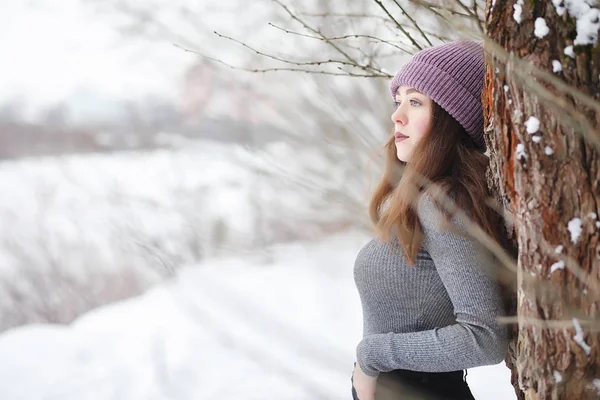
[
  {"x": 228, "y": 328},
  {"x": 80, "y": 232},
  {"x": 83, "y": 230}
]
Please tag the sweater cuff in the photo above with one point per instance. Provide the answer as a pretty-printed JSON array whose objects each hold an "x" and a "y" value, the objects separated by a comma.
[{"x": 363, "y": 358}]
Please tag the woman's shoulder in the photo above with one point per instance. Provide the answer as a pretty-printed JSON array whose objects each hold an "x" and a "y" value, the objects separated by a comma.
[
  {"x": 427, "y": 210},
  {"x": 439, "y": 215}
]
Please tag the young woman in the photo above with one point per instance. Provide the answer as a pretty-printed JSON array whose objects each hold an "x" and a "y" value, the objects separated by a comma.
[{"x": 429, "y": 300}]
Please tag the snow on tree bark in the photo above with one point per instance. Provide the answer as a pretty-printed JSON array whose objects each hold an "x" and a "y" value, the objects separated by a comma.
[{"x": 549, "y": 177}]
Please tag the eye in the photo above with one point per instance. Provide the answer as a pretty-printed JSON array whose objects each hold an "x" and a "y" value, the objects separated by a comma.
[
  {"x": 396, "y": 104},
  {"x": 415, "y": 103}
]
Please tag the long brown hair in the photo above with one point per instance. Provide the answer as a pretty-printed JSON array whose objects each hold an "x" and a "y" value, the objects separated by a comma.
[{"x": 447, "y": 157}]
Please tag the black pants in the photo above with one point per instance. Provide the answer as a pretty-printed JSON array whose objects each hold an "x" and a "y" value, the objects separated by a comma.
[{"x": 408, "y": 385}]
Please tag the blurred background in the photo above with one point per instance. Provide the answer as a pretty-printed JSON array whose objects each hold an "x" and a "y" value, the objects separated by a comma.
[{"x": 185, "y": 187}]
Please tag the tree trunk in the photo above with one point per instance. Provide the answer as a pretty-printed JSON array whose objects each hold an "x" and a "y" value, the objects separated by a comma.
[{"x": 550, "y": 180}]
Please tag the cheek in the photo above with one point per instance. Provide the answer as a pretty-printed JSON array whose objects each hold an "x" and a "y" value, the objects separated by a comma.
[{"x": 422, "y": 126}]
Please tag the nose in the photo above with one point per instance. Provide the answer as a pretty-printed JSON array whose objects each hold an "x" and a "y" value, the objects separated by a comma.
[{"x": 399, "y": 115}]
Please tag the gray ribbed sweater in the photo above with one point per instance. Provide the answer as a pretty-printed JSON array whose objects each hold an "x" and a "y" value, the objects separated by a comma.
[{"x": 436, "y": 316}]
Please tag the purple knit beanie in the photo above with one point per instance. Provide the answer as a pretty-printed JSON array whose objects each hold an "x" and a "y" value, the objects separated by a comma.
[{"x": 452, "y": 75}]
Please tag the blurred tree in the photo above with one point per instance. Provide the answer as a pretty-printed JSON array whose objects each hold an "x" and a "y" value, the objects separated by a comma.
[
  {"x": 12, "y": 111},
  {"x": 197, "y": 90},
  {"x": 56, "y": 116}
]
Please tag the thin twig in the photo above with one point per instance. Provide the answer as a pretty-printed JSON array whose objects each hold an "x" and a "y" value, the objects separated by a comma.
[
  {"x": 544, "y": 288},
  {"x": 414, "y": 23},
  {"x": 300, "y": 63},
  {"x": 473, "y": 15},
  {"x": 343, "y": 15},
  {"x": 383, "y": 19},
  {"x": 355, "y": 36},
  {"x": 434, "y": 7},
  {"x": 315, "y": 31},
  {"x": 381, "y": 74},
  {"x": 593, "y": 324},
  {"x": 408, "y": 35}
]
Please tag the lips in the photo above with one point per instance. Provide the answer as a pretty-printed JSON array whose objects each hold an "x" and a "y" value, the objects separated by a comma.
[{"x": 399, "y": 136}]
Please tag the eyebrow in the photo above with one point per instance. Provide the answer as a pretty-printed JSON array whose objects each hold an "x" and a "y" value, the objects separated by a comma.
[{"x": 409, "y": 91}]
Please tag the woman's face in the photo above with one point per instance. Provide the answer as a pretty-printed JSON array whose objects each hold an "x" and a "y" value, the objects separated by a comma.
[{"x": 412, "y": 120}]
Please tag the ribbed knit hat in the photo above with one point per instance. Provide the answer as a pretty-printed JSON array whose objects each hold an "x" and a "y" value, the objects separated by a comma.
[{"x": 452, "y": 75}]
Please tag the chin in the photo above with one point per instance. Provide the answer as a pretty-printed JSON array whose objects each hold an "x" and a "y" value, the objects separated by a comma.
[{"x": 402, "y": 156}]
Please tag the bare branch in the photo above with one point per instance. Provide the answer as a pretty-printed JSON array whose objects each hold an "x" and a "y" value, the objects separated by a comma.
[
  {"x": 329, "y": 42},
  {"x": 434, "y": 7},
  {"x": 472, "y": 13},
  {"x": 543, "y": 288},
  {"x": 343, "y": 15},
  {"x": 300, "y": 63},
  {"x": 593, "y": 324},
  {"x": 438, "y": 10},
  {"x": 408, "y": 35},
  {"x": 414, "y": 23},
  {"x": 356, "y": 36},
  {"x": 378, "y": 17},
  {"x": 381, "y": 74}
]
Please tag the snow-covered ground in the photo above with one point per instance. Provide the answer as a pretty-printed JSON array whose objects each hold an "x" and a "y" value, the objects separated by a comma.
[
  {"x": 277, "y": 323},
  {"x": 83, "y": 230},
  {"x": 80, "y": 231},
  {"x": 229, "y": 328}
]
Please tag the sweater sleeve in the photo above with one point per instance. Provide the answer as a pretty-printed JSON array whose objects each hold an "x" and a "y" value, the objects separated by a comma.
[{"x": 475, "y": 339}]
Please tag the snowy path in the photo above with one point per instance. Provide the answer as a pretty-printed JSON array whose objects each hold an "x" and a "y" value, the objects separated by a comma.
[{"x": 229, "y": 329}]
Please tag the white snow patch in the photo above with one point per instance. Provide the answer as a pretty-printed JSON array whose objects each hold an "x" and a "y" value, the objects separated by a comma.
[
  {"x": 536, "y": 138},
  {"x": 560, "y": 10},
  {"x": 587, "y": 28},
  {"x": 578, "y": 338},
  {"x": 505, "y": 88},
  {"x": 574, "y": 227},
  {"x": 588, "y": 21},
  {"x": 541, "y": 28},
  {"x": 518, "y": 11},
  {"x": 509, "y": 101},
  {"x": 557, "y": 377},
  {"x": 548, "y": 150},
  {"x": 593, "y": 215},
  {"x": 556, "y": 66},
  {"x": 558, "y": 249},
  {"x": 557, "y": 265},
  {"x": 596, "y": 383},
  {"x": 597, "y": 224},
  {"x": 569, "y": 51},
  {"x": 521, "y": 154},
  {"x": 533, "y": 125}
]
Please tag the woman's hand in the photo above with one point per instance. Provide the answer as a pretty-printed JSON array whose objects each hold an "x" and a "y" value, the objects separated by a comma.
[{"x": 363, "y": 384}]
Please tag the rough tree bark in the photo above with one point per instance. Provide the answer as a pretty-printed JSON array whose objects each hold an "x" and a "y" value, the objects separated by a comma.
[{"x": 550, "y": 180}]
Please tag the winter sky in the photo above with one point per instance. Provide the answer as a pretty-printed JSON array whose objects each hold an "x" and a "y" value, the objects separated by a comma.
[{"x": 52, "y": 49}]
